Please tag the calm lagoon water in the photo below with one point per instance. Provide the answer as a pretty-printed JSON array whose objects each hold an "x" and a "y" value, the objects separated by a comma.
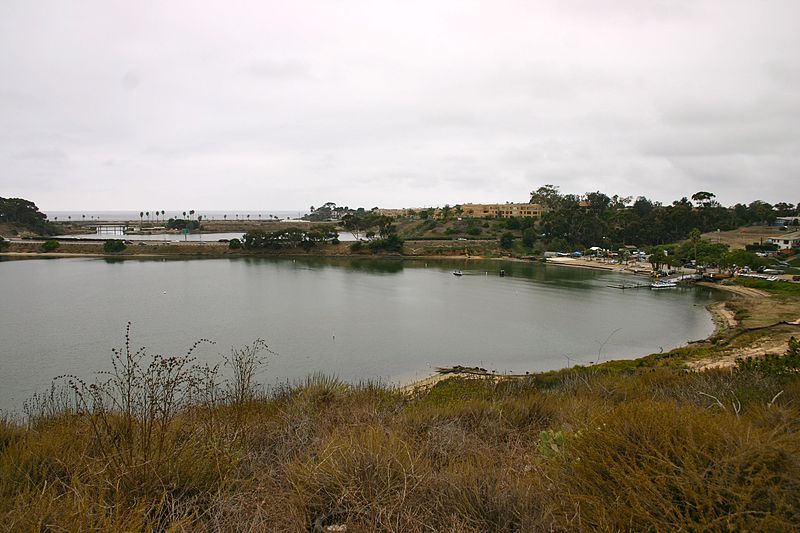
[
  {"x": 177, "y": 237},
  {"x": 357, "y": 319}
]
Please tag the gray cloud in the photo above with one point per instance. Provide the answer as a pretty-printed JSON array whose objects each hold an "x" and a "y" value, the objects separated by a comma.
[
  {"x": 275, "y": 105},
  {"x": 279, "y": 70}
]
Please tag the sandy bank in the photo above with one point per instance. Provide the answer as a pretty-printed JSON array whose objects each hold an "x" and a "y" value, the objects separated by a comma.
[{"x": 599, "y": 264}]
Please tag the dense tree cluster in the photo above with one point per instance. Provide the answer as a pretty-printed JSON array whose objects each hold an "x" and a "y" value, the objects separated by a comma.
[
  {"x": 390, "y": 243},
  {"x": 700, "y": 252},
  {"x": 24, "y": 213},
  {"x": 329, "y": 211},
  {"x": 113, "y": 246},
  {"x": 289, "y": 238},
  {"x": 360, "y": 222},
  {"x": 182, "y": 223},
  {"x": 369, "y": 224},
  {"x": 599, "y": 220}
]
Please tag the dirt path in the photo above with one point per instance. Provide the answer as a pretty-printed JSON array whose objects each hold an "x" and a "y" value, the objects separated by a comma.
[
  {"x": 736, "y": 289},
  {"x": 727, "y": 358}
]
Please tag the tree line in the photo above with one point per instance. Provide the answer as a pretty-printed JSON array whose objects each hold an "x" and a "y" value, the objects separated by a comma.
[
  {"x": 286, "y": 238},
  {"x": 597, "y": 219}
]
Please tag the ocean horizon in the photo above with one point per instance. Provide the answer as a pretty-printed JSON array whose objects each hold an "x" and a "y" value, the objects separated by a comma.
[{"x": 216, "y": 214}]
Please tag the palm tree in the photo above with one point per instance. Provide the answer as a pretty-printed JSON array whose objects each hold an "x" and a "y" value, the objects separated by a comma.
[
  {"x": 191, "y": 212},
  {"x": 184, "y": 214},
  {"x": 225, "y": 217},
  {"x": 141, "y": 215},
  {"x": 148, "y": 216}
]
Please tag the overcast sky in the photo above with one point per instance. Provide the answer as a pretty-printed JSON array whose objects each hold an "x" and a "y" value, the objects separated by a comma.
[{"x": 282, "y": 105}]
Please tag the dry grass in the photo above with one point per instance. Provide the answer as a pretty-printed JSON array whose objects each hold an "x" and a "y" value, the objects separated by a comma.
[
  {"x": 626, "y": 449},
  {"x": 741, "y": 237}
]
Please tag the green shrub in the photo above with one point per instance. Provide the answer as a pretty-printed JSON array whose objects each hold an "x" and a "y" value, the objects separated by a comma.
[
  {"x": 50, "y": 245},
  {"x": 113, "y": 245},
  {"x": 426, "y": 225},
  {"x": 788, "y": 363},
  {"x": 3, "y": 244},
  {"x": 356, "y": 246},
  {"x": 234, "y": 244},
  {"x": 392, "y": 243},
  {"x": 529, "y": 237},
  {"x": 507, "y": 241}
]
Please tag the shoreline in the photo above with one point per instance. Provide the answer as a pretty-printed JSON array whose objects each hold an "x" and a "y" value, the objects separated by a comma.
[{"x": 723, "y": 319}]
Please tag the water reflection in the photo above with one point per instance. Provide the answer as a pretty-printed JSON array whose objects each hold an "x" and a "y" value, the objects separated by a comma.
[{"x": 358, "y": 318}]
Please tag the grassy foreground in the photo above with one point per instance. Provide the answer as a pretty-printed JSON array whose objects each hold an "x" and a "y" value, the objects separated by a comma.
[{"x": 160, "y": 444}]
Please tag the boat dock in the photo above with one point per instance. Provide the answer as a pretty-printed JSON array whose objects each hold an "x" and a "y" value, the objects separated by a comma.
[
  {"x": 686, "y": 278},
  {"x": 624, "y": 286}
]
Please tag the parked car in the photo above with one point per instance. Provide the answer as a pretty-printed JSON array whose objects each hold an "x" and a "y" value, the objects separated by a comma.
[{"x": 795, "y": 278}]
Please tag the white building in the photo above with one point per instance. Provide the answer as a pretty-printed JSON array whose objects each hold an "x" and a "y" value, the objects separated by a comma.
[{"x": 787, "y": 241}]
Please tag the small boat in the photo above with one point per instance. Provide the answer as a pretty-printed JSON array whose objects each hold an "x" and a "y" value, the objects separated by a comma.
[
  {"x": 457, "y": 273},
  {"x": 663, "y": 285}
]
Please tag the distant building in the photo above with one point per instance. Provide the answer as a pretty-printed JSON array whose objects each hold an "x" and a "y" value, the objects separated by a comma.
[
  {"x": 503, "y": 210},
  {"x": 475, "y": 211},
  {"x": 787, "y": 241},
  {"x": 786, "y": 221},
  {"x": 397, "y": 212}
]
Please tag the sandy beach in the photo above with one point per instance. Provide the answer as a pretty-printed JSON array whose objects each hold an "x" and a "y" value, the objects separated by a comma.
[{"x": 602, "y": 264}]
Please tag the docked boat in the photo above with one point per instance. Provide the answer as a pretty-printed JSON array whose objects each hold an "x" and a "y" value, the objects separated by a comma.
[
  {"x": 457, "y": 273},
  {"x": 663, "y": 285}
]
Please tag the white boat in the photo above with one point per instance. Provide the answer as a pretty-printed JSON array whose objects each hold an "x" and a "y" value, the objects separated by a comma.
[
  {"x": 663, "y": 285},
  {"x": 457, "y": 273}
]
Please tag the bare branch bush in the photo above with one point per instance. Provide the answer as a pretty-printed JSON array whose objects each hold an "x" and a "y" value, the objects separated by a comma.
[
  {"x": 143, "y": 414},
  {"x": 244, "y": 363}
]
